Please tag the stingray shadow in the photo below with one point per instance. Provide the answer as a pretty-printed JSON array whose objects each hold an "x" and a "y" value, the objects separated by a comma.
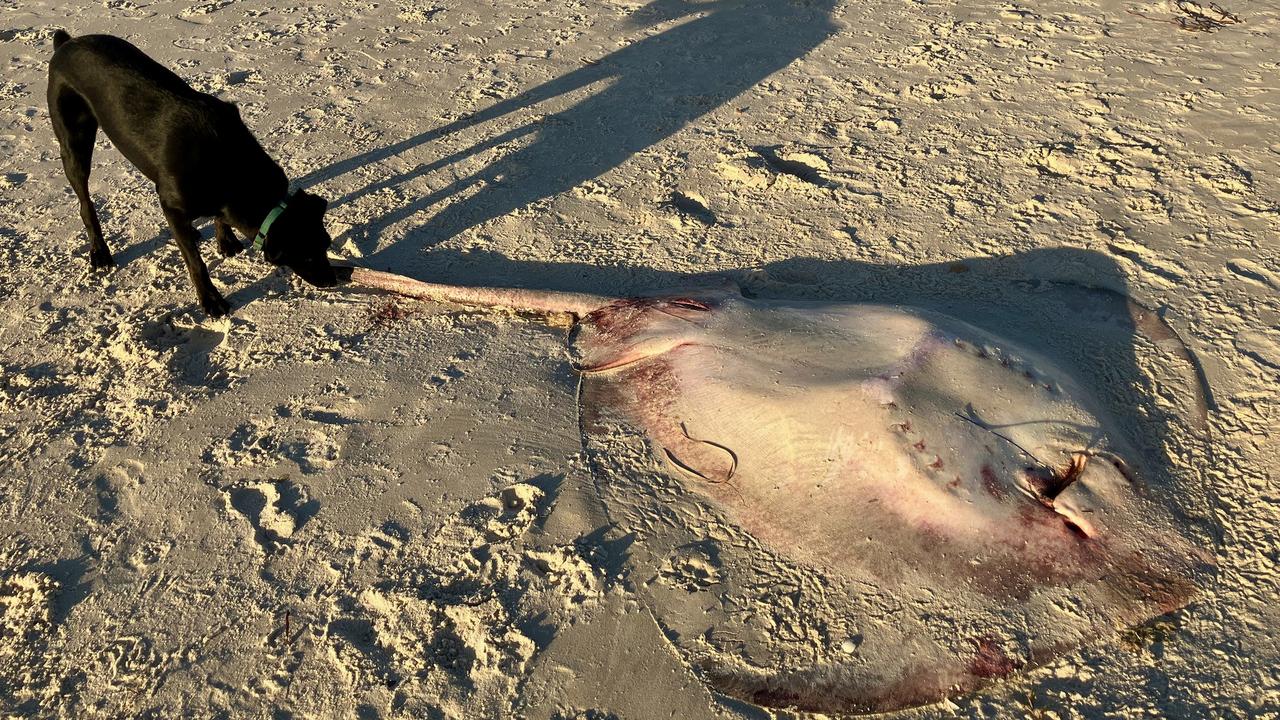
[{"x": 652, "y": 88}]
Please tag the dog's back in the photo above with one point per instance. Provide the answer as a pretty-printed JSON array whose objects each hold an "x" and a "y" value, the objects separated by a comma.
[
  {"x": 107, "y": 57},
  {"x": 120, "y": 84}
]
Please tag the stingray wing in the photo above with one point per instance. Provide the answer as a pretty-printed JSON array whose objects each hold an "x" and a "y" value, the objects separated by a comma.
[{"x": 941, "y": 508}]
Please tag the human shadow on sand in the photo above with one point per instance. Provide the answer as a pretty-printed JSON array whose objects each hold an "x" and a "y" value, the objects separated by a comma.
[{"x": 652, "y": 88}]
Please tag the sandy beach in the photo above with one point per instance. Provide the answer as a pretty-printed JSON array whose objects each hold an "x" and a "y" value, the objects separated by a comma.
[{"x": 335, "y": 504}]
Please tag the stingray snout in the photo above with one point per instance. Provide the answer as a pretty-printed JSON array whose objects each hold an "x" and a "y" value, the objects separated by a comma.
[{"x": 629, "y": 331}]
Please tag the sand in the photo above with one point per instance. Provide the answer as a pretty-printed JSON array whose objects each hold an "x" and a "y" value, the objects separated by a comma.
[{"x": 338, "y": 505}]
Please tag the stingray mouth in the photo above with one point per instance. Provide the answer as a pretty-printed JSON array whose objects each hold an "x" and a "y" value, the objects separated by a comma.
[{"x": 686, "y": 304}]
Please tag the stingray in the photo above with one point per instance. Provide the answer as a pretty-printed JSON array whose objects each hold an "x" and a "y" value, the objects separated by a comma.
[{"x": 937, "y": 507}]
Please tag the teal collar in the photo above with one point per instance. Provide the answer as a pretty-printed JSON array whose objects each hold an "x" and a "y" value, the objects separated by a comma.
[{"x": 265, "y": 227}]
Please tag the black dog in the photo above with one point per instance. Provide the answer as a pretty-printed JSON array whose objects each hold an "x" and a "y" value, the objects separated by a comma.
[{"x": 195, "y": 148}]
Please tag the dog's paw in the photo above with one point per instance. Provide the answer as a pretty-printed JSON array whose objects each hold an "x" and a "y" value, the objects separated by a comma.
[
  {"x": 101, "y": 261},
  {"x": 229, "y": 248},
  {"x": 215, "y": 306}
]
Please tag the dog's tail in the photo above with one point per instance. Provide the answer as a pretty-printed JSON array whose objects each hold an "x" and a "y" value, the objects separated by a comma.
[{"x": 60, "y": 36}]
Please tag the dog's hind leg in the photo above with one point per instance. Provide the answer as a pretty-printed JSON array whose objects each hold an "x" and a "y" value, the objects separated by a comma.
[
  {"x": 76, "y": 129},
  {"x": 189, "y": 245},
  {"x": 228, "y": 245}
]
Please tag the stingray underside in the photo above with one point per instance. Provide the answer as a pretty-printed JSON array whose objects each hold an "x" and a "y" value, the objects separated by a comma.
[{"x": 854, "y": 508}]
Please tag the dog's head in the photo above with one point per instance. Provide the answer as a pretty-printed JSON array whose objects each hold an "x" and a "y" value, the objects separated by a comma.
[{"x": 298, "y": 240}]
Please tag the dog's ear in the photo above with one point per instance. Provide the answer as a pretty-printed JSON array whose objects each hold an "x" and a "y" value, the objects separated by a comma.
[
  {"x": 311, "y": 209},
  {"x": 311, "y": 203}
]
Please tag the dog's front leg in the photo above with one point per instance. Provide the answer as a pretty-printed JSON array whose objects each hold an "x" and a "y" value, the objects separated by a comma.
[
  {"x": 189, "y": 245},
  {"x": 228, "y": 244}
]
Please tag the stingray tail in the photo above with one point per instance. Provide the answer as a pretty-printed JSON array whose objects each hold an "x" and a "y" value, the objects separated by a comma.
[{"x": 535, "y": 301}]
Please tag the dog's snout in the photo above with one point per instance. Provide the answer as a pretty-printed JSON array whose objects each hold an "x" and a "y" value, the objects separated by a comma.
[{"x": 319, "y": 273}]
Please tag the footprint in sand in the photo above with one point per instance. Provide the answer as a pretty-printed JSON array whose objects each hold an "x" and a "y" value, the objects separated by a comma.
[
  {"x": 454, "y": 371},
  {"x": 470, "y": 608},
  {"x": 806, "y": 166},
  {"x": 275, "y": 508},
  {"x": 203, "y": 9},
  {"x": 689, "y": 206},
  {"x": 128, "y": 664},
  {"x": 258, "y": 443},
  {"x": 693, "y": 568},
  {"x": 26, "y": 623}
]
